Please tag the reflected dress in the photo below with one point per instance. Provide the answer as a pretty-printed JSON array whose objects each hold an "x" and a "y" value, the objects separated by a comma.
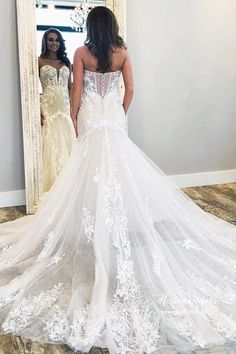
[{"x": 58, "y": 134}]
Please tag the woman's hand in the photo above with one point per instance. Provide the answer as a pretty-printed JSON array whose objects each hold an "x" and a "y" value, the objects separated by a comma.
[
  {"x": 128, "y": 82},
  {"x": 76, "y": 130},
  {"x": 74, "y": 120}
]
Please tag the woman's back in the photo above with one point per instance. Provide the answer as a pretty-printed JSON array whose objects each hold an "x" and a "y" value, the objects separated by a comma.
[
  {"x": 90, "y": 62},
  {"x": 85, "y": 61}
]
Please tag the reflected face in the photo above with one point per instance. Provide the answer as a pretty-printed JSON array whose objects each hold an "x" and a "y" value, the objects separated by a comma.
[{"x": 53, "y": 42}]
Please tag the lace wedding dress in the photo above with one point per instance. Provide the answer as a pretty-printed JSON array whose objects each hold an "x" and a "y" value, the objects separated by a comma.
[
  {"x": 117, "y": 256},
  {"x": 58, "y": 134}
]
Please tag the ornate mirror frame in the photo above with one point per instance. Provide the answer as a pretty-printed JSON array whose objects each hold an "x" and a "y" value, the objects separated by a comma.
[{"x": 30, "y": 95}]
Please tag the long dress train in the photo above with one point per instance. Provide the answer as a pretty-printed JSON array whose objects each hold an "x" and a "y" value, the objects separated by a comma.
[
  {"x": 117, "y": 256},
  {"x": 58, "y": 134}
]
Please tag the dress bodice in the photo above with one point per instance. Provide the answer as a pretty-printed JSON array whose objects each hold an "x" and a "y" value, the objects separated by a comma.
[
  {"x": 101, "y": 107},
  {"x": 51, "y": 77},
  {"x": 55, "y": 94},
  {"x": 100, "y": 83}
]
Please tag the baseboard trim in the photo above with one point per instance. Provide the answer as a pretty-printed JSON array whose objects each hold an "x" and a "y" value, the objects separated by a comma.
[
  {"x": 205, "y": 178},
  {"x": 12, "y": 198},
  {"x": 15, "y": 198}
]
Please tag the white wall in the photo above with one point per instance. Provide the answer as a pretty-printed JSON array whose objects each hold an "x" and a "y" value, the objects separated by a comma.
[
  {"x": 184, "y": 57},
  {"x": 11, "y": 155}
]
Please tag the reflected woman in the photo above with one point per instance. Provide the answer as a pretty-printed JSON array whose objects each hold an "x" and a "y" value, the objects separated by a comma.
[{"x": 58, "y": 134}]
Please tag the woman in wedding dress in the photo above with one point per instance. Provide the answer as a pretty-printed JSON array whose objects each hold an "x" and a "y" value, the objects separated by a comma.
[
  {"x": 117, "y": 256},
  {"x": 58, "y": 134}
]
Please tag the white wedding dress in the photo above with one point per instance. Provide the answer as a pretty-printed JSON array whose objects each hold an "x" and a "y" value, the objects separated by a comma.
[
  {"x": 117, "y": 256},
  {"x": 58, "y": 134}
]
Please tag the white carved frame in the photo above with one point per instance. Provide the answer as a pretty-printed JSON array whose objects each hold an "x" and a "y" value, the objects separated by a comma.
[{"x": 30, "y": 95}]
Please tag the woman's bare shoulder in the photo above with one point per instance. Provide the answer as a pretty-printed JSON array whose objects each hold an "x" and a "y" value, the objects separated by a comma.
[
  {"x": 119, "y": 57},
  {"x": 120, "y": 54},
  {"x": 41, "y": 62},
  {"x": 83, "y": 50},
  {"x": 120, "y": 51}
]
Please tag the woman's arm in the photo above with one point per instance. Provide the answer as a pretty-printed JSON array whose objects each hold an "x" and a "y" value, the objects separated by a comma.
[
  {"x": 39, "y": 67},
  {"x": 78, "y": 75},
  {"x": 128, "y": 82},
  {"x": 39, "y": 64},
  {"x": 69, "y": 82}
]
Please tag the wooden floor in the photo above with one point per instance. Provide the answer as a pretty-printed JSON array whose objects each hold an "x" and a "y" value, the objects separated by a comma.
[{"x": 219, "y": 200}]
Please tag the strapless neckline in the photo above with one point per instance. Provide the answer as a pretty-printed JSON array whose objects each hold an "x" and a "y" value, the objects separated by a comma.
[
  {"x": 51, "y": 76},
  {"x": 108, "y": 72},
  {"x": 57, "y": 69}
]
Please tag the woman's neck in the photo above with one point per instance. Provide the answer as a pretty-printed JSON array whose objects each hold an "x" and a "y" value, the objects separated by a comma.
[{"x": 52, "y": 56}]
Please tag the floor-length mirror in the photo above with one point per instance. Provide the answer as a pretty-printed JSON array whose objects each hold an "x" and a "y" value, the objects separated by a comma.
[
  {"x": 45, "y": 149},
  {"x": 61, "y": 29}
]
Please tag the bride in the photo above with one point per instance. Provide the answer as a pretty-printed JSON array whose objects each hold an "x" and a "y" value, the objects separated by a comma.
[
  {"x": 58, "y": 135},
  {"x": 117, "y": 256}
]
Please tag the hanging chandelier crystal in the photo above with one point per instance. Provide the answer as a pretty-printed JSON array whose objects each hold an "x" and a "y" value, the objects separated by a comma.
[
  {"x": 79, "y": 15},
  {"x": 39, "y": 3}
]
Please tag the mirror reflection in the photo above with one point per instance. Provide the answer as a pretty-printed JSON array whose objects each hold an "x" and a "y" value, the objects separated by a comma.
[{"x": 61, "y": 28}]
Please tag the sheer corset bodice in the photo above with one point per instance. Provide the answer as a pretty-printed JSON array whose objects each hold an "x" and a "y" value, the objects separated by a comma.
[
  {"x": 100, "y": 83},
  {"x": 101, "y": 106}
]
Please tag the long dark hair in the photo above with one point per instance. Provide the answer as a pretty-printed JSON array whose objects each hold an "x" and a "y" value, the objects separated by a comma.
[
  {"x": 103, "y": 36},
  {"x": 61, "y": 53}
]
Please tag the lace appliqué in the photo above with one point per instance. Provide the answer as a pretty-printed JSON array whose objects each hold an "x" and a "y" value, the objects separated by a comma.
[
  {"x": 224, "y": 324},
  {"x": 92, "y": 125},
  {"x": 81, "y": 332},
  {"x": 57, "y": 326},
  {"x": 46, "y": 246},
  {"x": 96, "y": 177},
  {"x": 5, "y": 300},
  {"x": 101, "y": 84},
  {"x": 88, "y": 224},
  {"x": 54, "y": 83},
  {"x": 12, "y": 260},
  {"x": 225, "y": 294},
  {"x": 189, "y": 244},
  {"x": 178, "y": 305},
  {"x": 50, "y": 76},
  {"x": 148, "y": 210},
  {"x": 55, "y": 259},
  {"x": 184, "y": 327},
  {"x": 128, "y": 310},
  {"x": 29, "y": 308},
  {"x": 51, "y": 219},
  {"x": 156, "y": 264},
  {"x": 4, "y": 247}
]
